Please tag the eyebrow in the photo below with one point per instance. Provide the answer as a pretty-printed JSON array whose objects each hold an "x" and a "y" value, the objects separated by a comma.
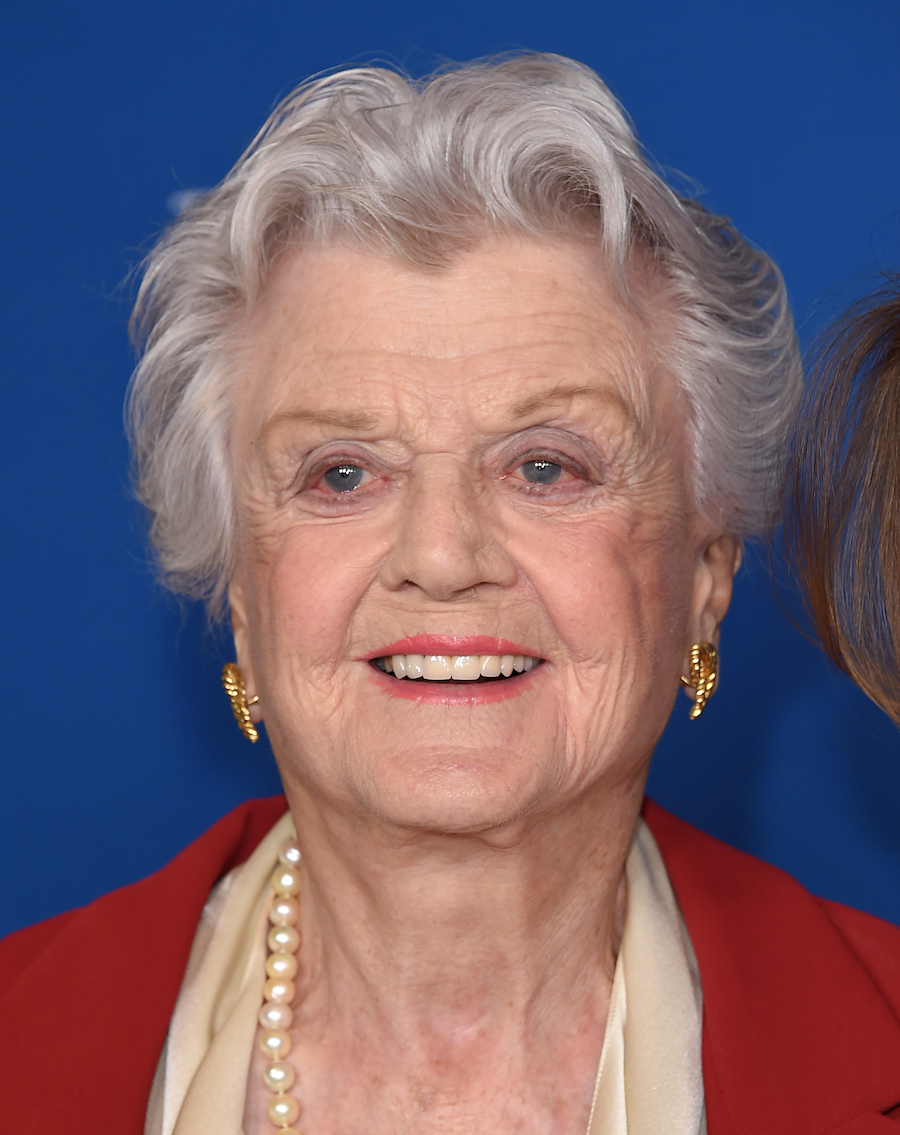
[
  {"x": 354, "y": 422},
  {"x": 361, "y": 422},
  {"x": 558, "y": 394}
]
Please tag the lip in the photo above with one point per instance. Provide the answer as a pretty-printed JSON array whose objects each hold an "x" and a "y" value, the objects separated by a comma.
[
  {"x": 451, "y": 644},
  {"x": 455, "y": 693}
]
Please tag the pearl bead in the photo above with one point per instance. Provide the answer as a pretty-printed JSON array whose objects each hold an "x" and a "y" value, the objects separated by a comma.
[
  {"x": 281, "y": 990},
  {"x": 279, "y": 1076},
  {"x": 283, "y": 1109},
  {"x": 283, "y": 940},
  {"x": 275, "y": 1044},
  {"x": 275, "y": 1016},
  {"x": 281, "y": 965},
  {"x": 284, "y": 911},
  {"x": 289, "y": 855},
  {"x": 286, "y": 880}
]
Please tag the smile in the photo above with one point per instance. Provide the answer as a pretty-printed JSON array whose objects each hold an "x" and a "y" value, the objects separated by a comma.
[{"x": 455, "y": 667}]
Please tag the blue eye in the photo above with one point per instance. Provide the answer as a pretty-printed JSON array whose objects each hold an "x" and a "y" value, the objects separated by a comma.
[
  {"x": 541, "y": 472},
  {"x": 344, "y": 478}
]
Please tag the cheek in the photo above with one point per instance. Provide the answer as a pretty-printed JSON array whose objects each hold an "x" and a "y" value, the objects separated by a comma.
[
  {"x": 612, "y": 585},
  {"x": 308, "y": 589}
]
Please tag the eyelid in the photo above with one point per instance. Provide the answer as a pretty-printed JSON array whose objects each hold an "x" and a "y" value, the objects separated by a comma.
[{"x": 566, "y": 443}]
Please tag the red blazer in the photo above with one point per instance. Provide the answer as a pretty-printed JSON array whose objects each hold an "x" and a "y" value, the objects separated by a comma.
[{"x": 801, "y": 1021}]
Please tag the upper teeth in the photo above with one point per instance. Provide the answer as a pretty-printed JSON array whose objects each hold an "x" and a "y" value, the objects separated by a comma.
[{"x": 459, "y": 667}]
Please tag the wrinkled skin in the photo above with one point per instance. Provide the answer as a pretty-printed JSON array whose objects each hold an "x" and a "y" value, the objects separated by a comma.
[{"x": 463, "y": 890}]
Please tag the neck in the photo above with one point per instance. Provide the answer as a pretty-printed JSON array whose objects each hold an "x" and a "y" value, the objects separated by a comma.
[{"x": 455, "y": 948}]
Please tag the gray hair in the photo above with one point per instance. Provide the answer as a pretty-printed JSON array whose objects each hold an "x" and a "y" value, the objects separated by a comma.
[{"x": 531, "y": 144}]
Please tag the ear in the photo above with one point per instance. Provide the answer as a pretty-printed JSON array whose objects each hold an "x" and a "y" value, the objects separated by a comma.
[
  {"x": 718, "y": 560},
  {"x": 240, "y": 629}
]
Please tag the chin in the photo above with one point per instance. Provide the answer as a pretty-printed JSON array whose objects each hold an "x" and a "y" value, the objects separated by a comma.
[{"x": 453, "y": 798}]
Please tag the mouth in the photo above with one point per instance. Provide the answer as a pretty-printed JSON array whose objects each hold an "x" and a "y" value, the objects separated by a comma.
[{"x": 474, "y": 668}]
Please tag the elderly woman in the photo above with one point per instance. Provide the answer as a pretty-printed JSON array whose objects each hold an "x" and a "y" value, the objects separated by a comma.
[{"x": 462, "y": 415}]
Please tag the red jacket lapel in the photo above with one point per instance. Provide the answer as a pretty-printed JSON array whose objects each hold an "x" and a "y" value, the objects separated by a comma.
[{"x": 799, "y": 1036}]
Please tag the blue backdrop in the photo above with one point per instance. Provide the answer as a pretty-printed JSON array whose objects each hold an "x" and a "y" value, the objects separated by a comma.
[{"x": 119, "y": 746}]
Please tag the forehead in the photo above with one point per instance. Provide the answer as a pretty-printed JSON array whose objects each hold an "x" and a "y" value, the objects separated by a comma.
[{"x": 510, "y": 326}]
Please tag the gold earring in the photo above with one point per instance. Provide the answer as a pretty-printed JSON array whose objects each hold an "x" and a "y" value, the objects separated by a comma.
[
  {"x": 703, "y": 677},
  {"x": 233, "y": 681}
]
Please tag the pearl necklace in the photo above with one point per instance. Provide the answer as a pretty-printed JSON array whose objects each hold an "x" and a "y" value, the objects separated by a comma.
[{"x": 276, "y": 1015}]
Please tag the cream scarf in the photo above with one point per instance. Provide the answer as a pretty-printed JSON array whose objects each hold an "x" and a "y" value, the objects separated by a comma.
[{"x": 649, "y": 1081}]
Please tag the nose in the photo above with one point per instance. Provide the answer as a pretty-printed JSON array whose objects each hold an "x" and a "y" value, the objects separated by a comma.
[{"x": 447, "y": 542}]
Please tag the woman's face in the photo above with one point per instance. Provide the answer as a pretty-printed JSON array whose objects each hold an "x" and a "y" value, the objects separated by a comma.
[{"x": 484, "y": 461}]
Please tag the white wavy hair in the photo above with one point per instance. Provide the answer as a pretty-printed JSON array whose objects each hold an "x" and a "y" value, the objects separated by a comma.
[{"x": 532, "y": 144}]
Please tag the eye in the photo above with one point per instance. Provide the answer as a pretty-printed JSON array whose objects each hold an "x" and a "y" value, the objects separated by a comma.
[
  {"x": 541, "y": 471},
  {"x": 344, "y": 478}
]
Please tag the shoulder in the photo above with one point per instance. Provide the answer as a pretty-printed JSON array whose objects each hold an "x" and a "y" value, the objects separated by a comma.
[
  {"x": 119, "y": 959},
  {"x": 799, "y": 994},
  {"x": 187, "y": 877},
  {"x": 874, "y": 942},
  {"x": 730, "y": 894}
]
